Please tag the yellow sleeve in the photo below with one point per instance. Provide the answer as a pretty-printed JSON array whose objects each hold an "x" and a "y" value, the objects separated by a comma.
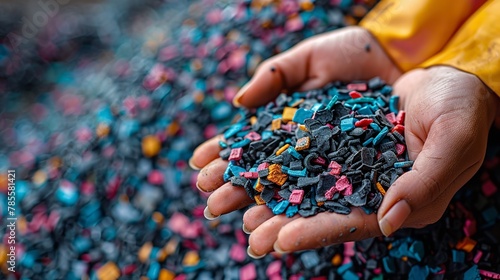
[
  {"x": 411, "y": 31},
  {"x": 475, "y": 48}
]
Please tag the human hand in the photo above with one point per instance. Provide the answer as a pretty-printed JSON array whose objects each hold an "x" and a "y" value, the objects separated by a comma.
[{"x": 325, "y": 228}]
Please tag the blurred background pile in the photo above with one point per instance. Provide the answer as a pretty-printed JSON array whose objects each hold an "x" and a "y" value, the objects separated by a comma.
[{"x": 101, "y": 106}]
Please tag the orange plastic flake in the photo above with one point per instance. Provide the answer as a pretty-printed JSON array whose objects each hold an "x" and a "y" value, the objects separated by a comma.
[
  {"x": 258, "y": 186},
  {"x": 151, "y": 145},
  {"x": 109, "y": 271},
  {"x": 297, "y": 102},
  {"x": 166, "y": 274},
  {"x": 171, "y": 246},
  {"x": 307, "y": 5},
  {"x": 288, "y": 113},
  {"x": 276, "y": 176},
  {"x": 191, "y": 258},
  {"x": 158, "y": 217},
  {"x": 282, "y": 149},
  {"x": 145, "y": 251},
  {"x": 102, "y": 130},
  {"x": 380, "y": 188},
  {"x": 303, "y": 143},
  {"x": 276, "y": 124},
  {"x": 404, "y": 258},
  {"x": 253, "y": 120},
  {"x": 337, "y": 260},
  {"x": 467, "y": 244},
  {"x": 259, "y": 200},
  {"x": 303, "y": 127}
]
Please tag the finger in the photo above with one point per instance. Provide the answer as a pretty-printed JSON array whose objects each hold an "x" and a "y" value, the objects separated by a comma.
[
  {"x": 211, "y": 176},
  {"x": 326, "y": 229},
  {"x": 262, "y": 239},
  {"x": 256, "y": 216},
  {"x": 285, "y": 71},
  {"x": 435, "y": 169},
  {"x": 226, "y": 199},
  {"x": 205, "y": 153}
]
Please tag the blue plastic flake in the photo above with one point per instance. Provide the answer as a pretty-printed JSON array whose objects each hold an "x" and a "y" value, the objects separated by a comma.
[
  {"x": 235, "y": 128},
  {"x": 310, "y": 259},
  {"x": 350, "y": 275},
  {"x": 333, "y": 100},
  {"x": 394, "y": 104},
  {"x": 82, "y": 244},
  {"x": 292, "y": 210},
  {"x": 266, "y": 134},
  {"x": 284, "y": 169},
  {"x": 297, "y": 173},
  {"x": 154, "y": 270},
  {"x": 417, "y": 250},
  {"x": 294, "y": 153},
  {"x": 386, "y": 89},
  {"x": 380, "y": 102},
  {"x": 344, "y": 268},
  {"x": 389, "y": 265},
  {"x": 272, "y": 203},
  {"x": 128, "y": 128},
  {"x": 418, "y": 272},
  {"x": 301, "y": 115},
  {"x": 472, "y": 273},
  {"x": 490, "y": 215},
  {"x": 104, "y": 115},
  {"x": 347, "y": 124},
  {"x": 221, "y": 111},
  {"x": 316, "y": 107},
  {"x": 359, "y": 100},
  {"x": 365, "y": 110},
  {"x": 280, "y": 207},
  {"x": 403, "y": 164},
  {"x": 242, "y": 133},
  {"x": 458, "y": 256},
  {"x": 368, "y": 142},
  {"x": 380, "y": 136},
  {"x": 222, "y": 144},
  {"x": 367, "y": 210},
  {"x": 241, "y": 143},
  {"x": 28, "y": 259},
  {"x": 235, "y": 169},
  {"x": 375, "y": 127}
]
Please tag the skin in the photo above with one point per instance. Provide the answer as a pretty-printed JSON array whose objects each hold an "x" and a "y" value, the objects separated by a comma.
[{"x": 448, "y": 116}]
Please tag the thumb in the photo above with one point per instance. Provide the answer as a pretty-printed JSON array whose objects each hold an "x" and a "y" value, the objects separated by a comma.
[{"x": 419, "y": 197}]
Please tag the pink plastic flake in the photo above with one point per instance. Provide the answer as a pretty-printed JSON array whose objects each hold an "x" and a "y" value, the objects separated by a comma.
[{"x": 296, "y": 196}]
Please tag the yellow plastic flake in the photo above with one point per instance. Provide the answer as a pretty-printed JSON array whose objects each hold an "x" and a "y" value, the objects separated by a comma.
[
  {"x": 191, "y": 258},
  {"x": 303, "y": 143},
  {"x": 467, "y": 244},
  {"x": 102, "y": 130},
  {"x": 39, "y": 178},
  {"x": 303, "y": 128},
  {"x": 337, "y": 260},
  {"x": 166, "y": 274},
  {"x": 307, "y": 5},
  {"x": 253, "y": 120},
  {"x": 171, "y": 246},
  {"x": 258, "y": 186},
  {"x": 380, "y": 188},
  {"x": 109, "y": 271},
  {"x": 259, "y": 200},
  {"x": 288, "y": 113},
  {"x": 282, "y": 149},
  {"x": 275, "y": 175},
  {"x": 145, "y": 251},
  {"x": 151, "y": 145},
  {"x": 276, "y": 124}
]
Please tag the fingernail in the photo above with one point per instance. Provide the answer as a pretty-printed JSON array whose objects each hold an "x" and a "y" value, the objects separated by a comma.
[
  {"x": 277, "y": 248},
  {"x": 245, "y": 230},
  {"x": 208, "y": 215},
  {"x": 237, "y": 97},
  {"x": 200, "y": 189},
  {"x": 252, "y": 254},
  {"x": 192, "y": 165},
  {"x": 395, "y": 217}
]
